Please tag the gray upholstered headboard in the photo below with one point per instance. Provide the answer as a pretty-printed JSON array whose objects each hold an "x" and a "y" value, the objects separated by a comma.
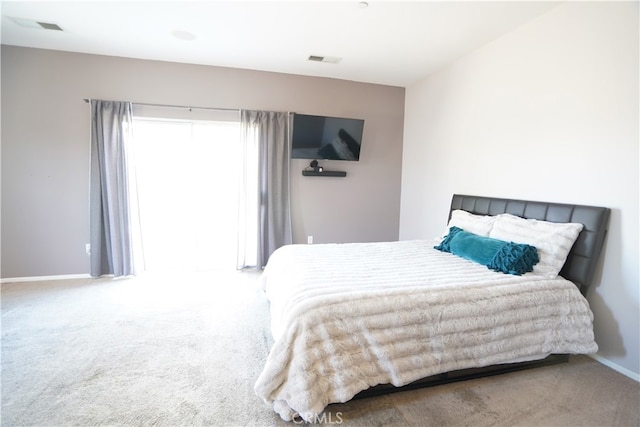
[{"x": 583, "y": 258}]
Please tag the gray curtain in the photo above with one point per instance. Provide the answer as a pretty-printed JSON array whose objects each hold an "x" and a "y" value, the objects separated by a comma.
[
  {"x": 265, "y": 217},
  {"x": 112, "y": 247}
]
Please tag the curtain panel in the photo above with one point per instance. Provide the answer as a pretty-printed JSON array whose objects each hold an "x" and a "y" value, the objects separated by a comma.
[
  {"x": 265, "y": 209},
  {"x": 111, "y": 234}
]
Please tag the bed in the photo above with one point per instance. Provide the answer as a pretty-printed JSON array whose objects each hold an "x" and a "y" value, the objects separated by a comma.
[{"x": 357, "y": 318}]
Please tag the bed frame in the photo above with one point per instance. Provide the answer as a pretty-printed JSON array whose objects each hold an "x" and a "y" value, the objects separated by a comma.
[{"x": 579, "y": 268}]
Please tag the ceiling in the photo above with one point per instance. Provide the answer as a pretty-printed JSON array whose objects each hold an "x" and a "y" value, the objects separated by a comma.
[{"x": 384, "y": 42}]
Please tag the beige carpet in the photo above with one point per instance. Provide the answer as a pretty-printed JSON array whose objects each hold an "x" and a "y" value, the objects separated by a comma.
[{"x": 186, "y": 350}]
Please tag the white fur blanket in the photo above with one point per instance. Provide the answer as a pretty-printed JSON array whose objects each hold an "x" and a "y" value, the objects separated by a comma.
[{"x": 346, "y": 317}]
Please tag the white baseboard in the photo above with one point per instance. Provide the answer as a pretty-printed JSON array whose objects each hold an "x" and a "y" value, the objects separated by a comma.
[
  {"x": 43, "y": 278},
  {"x": 624, "y": 371}
]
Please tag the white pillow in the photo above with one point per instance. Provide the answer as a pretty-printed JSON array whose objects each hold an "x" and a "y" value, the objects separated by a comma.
[
  {"x": 553, "y": 240},
  {"x": 476, "y": 224}
]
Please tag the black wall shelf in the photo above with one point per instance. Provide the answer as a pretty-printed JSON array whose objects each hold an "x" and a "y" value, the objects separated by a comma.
[{"x": 340, "y": 174}]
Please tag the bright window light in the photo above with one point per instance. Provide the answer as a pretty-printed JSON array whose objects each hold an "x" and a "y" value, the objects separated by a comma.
[{"x": 187, "y": 180}]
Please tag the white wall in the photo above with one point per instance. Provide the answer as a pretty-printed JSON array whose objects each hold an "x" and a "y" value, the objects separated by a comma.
[
  {"x": 45, "y": 148},
  {"x": 547, "y": 112}
]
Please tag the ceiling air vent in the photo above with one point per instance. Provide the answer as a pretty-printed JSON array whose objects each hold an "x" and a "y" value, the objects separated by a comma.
[
  {"x": 327, "y": 59},
  {"x": 49, "y": 26},
  {"x": 30, "y": 23}
]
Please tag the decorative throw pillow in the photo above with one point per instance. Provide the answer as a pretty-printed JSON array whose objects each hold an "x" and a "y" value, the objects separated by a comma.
[
  {"x": 553, "y": 240},
  {"x": 497, "y": 255},
  {"x": 476, "y": 224}
]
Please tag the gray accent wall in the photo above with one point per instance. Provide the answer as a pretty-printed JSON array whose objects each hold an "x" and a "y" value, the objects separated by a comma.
[{"x": 45, "y": 148}]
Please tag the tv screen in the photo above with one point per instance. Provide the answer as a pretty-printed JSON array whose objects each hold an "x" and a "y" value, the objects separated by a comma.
[{"x": 326, "y": 138}]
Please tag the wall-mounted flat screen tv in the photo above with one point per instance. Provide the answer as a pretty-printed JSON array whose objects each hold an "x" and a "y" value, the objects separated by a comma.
[{"x": 326, "y": 138}]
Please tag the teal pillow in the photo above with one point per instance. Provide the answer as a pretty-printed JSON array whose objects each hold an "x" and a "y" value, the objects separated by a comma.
[{"x": 497, "y": 255}]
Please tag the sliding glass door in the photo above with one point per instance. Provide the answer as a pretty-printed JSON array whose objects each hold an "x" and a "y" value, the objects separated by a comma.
[{"x": 187, "y": 180}]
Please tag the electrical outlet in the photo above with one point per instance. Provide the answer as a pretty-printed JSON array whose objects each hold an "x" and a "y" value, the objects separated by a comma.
[
  {"x": 310, "y": 240},
  {"x": 87, "y": 248}
]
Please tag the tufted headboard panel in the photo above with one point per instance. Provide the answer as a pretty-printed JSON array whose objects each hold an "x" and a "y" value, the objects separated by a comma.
[{"x": 583, "y": 257}]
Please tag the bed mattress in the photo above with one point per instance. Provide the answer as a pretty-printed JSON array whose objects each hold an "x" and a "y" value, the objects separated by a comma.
[{"x": 346, "y": 317}]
